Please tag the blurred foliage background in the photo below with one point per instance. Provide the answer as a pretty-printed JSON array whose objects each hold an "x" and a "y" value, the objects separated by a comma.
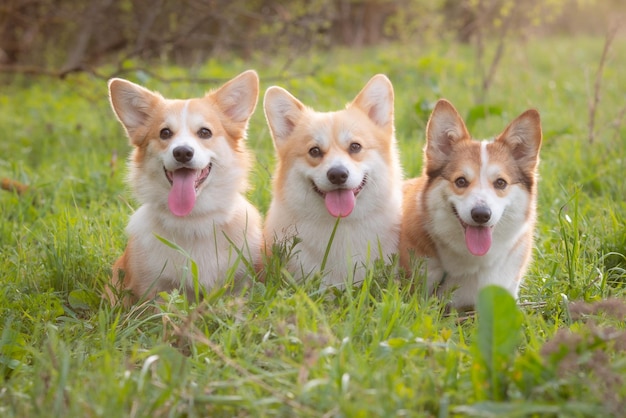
[{"x": 57, "y": 37}]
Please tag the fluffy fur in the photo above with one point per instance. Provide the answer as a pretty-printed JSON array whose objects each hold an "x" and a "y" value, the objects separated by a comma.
[
  {"x": 472, "y": 212},
  {"x": 335, "y": 165},
  {"x": 203, "y": 138}
]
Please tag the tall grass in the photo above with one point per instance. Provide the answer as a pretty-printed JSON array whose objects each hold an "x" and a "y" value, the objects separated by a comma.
[{"x": 285, "y": 349}]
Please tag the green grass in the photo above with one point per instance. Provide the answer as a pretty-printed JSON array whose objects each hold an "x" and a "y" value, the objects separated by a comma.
[{"x": 285, "y": 349}]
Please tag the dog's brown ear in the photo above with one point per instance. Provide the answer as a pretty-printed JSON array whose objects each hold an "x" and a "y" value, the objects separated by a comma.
[
  {"x": 133, "y": 106},
  {"x": 282, "y": 111},
  {"x": 445, "y": 128},
  {"x": 376, "y": 100},
  {"x": 238, "y": 97},
  {"x": 523, "y": 136}
]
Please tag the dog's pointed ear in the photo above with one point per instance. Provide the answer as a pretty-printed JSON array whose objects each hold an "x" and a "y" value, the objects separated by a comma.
[
  {"x": 282, "y": 111},
  {"x": 445, "y": 128},
  {"x": 238, "y": 97},
  {"x": 376, "y": 100},
  {"x": 523, "y": 136},
  {"x": 133, "y": 105}
]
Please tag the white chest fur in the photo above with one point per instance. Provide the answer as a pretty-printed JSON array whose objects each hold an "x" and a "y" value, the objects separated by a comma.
[{"x": 218, "y": 250}]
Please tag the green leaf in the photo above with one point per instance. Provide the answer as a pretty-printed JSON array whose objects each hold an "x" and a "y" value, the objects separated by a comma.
[
  {"x": 394, "y": 343},
  {"x": 499, "y": 324},
  {"x": 499, "y": 330},
  {"x": 12, "y": 348},
  {"x": 193, "y": 266},
  {"x": 172, "y": 245},
  {"x": 496, "y": 409},
  {"x": 525, "y": 409},
  {"x": 82, "y": 299}
]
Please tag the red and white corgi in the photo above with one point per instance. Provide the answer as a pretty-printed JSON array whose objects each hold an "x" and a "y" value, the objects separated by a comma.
[
  {"x": 189, "y": 172},
  {"x": 472, "y": 212},
  {"x": 333, "y": 168}
]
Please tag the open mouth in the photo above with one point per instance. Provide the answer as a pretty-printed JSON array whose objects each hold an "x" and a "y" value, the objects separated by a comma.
[
  {"x": 477, "y": 238},
  {"x": 355, "y": 191},
  {"x": 185, "y": 183},
  {"x": 456, "y": 213},
  {"x": 340, "y": 202},
  {"x": 201, "y": 175}
]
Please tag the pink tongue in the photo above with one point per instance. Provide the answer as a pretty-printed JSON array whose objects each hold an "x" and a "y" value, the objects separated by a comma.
[
  {"x": 340, "y": 202},
  {"x": 478, "y": 239},
  {"x": 182, "y": 195}
]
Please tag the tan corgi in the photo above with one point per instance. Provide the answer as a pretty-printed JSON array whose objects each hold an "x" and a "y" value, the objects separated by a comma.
[
  {"x": 189, "y": 172},
  {"x": 335, "y": 168},
  {"x": 472, "y": 212}
]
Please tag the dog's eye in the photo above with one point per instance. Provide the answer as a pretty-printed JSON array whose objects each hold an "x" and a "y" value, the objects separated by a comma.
[
  {"x": 165, "y": 133},
  {"x": 461, "y": 182},
  {"x": 500, "y": 184},
  {"x": 355, "y": 147},
  {"x": 204, "y": 133},
  {"x": 315, "y": 152}
]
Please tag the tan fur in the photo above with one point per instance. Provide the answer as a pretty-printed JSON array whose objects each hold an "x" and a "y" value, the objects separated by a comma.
[
  {"x": 414, "y": 238},
  {"x": 434, "y": 205},
  {"x": 222, "y": 224},
  {"x": 297, "y": 209}
]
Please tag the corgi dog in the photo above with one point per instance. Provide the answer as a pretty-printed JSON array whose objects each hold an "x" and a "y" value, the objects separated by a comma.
[
  {"x": 338, "y": 182},
  {"x": 472, "y": 212},
  {"x": 188, "y": 170}
]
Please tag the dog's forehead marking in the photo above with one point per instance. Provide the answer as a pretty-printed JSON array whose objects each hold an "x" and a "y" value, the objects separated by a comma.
[
  {"x": 484, "y": 164},
  {"x": 345, "y": 130},
  {"x": 197, "y": 112},
  {"x": 321, "y": 129},
  {"x": 176, "y": 114},
  {"x": 185, "y": 112},
  {"x": 178, "y": 119},
  {"x": 184, "y": 118},
  {"x": 492, "y": 168}
]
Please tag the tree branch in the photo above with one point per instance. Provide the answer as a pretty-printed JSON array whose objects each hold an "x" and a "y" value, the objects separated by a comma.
[
  {"x": 121, "y": 71},
  {"x": 595, "y": 100}
]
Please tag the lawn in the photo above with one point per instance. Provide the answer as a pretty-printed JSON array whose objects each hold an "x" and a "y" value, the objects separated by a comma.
[{"x": 286, "y": 349}]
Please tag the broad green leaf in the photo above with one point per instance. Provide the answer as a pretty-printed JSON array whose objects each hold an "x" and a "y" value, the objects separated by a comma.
[
  {"x": 499, "y": 325},
  {"x": 499, "y": 329}
]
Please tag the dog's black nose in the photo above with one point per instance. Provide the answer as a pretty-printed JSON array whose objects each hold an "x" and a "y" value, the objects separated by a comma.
[
  {"x": 338, "y": 175},
  {"x": 183, "y": 153},
  {"x": 481, "y": 214}
]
